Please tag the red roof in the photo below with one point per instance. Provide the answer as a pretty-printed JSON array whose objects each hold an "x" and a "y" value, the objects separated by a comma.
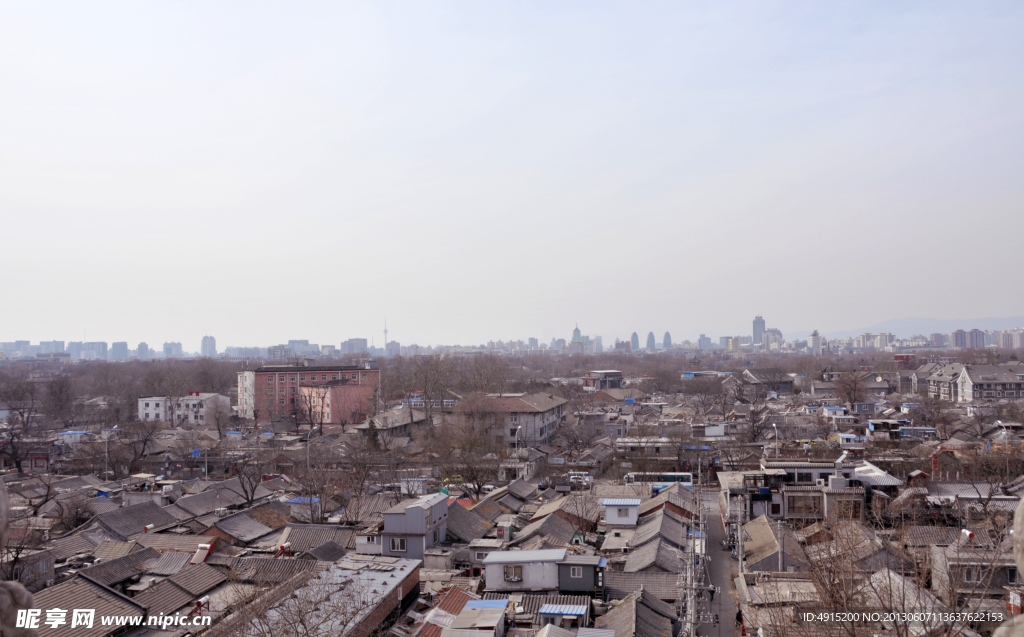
[{"x": 453, "y": 602}]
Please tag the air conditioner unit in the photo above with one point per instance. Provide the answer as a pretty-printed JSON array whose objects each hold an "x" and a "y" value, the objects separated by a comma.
[
  {"x": 821, "y": 482},
  {"x": 221, "y": 513}
]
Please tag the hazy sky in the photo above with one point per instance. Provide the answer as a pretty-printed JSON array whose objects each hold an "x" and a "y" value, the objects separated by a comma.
[{"x": 266, "y": 171}]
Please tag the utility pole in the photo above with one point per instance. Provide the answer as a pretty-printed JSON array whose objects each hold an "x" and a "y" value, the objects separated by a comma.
[{"x": 691, "y": 580}]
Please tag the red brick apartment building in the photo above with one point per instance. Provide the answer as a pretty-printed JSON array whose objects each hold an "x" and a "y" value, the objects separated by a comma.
[{"x": 276, "y": 391}]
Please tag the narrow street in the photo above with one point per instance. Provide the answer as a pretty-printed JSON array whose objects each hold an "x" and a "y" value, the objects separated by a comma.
[{"x": 723, "y": 569}]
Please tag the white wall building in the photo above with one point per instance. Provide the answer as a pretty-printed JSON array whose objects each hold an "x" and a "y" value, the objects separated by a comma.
[{"x": 196, "y": 408}]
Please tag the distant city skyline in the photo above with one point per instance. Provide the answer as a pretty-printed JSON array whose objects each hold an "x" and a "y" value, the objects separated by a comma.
[
  {"x": 219, "y": 345},
  {"x": 651, "y": 167}
]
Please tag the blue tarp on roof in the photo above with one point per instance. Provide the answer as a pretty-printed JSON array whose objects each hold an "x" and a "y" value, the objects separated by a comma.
[{"x": 562, "y": 609}]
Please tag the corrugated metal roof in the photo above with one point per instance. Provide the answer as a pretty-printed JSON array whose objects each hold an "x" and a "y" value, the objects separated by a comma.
[
  {"x": 562, "y": 609},
  {"x": 520, "y": 557},
  {"x": 621, "y": 502},
  {"x": 486, "y": 603}
]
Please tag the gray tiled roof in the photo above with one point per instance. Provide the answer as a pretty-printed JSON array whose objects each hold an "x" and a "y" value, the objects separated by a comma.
[
  {"x": 521, "y": 489},
  {"x": 70, "y": 545},
  {"x": 122, "y": 568},
  {"x": 641, "y": 615},
  {"x": 243, "y": 527},
  {"x": 163, "y": 597},
  {"x": 181, "y": 589},
  {"x": 657, "y": 555},
  {"x": 174, "y": 542},
  {"x": 552, "y": 526},
  {"x": 80, "y": 592},
  {"x": 127, "y": 522},
  {"x": 465, "y": 525},
  {"x": 169, "y": 563},
  {"x": 198, "y": 578},
  {"x": 327, "y": 552},
  {"x": 659, "y": 524},
  {"x": 307, "y": 536},
  {"x": 269, "y": 570},
  {"x": 619, "y": 584}
]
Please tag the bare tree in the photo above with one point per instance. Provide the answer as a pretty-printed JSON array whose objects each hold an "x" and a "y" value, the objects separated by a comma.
[
  {"x": 850, "y": 386},
  {"x": 23, "y": 401},
  {"x": 307, "y": 605},
  {"x": 249, "y": 467},
  {"x": 314, "y": 405},
  {"x": 703, "y": 393}
]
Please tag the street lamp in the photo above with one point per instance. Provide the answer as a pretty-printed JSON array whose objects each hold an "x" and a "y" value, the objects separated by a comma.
[{"x": 776, "y": 439}]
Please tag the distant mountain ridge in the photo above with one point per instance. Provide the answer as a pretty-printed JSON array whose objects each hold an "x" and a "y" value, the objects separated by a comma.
[{"x": 907, "y": 327}]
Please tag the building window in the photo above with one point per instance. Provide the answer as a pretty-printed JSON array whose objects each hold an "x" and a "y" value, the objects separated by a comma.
[
  {"x": 623, "y": 512},
  {"x": 281, "y": 378},
  {"x": 147, "y": 404},
  {"x": 513, "y": 573},
  {"x": 480, "y": 556},
  {"x": 364, "y": 376},
  {"x": 147, "y": 416},
  {"x": 334, "y": 377},
  {"x": 398, "y": 545},
  {"x": 576, "y": 572},
  {"x": 972, "y": 574},
  {"x": 323, "y": 376},
  {"x": 302, "y": 377},
  {"x": 1011, "y": 575},
  {"x": 776, "y": 509},
  {"x": 270, "y": 379}
]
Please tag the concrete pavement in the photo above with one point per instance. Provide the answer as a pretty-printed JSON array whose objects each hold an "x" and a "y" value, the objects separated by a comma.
[{"x": 723, "y": 569}]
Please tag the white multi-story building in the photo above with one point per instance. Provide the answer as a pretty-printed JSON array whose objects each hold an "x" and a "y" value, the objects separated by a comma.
[{"x": 196, "y": 408}]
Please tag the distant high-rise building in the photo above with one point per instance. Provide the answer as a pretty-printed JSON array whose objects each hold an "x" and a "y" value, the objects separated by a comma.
[
  {"x": 173, "y": 350},
  {"x": 958, "y": 339},
  {"x": 51, "y": 347},
  {"x": 651, "y": 343},
  {"x": 142, "y": 352},
  {"x": 667, "y": 341},
  {"x": 938, "y": 340},
  {"x": 97, "y": 350},
  {"x": 75, "y": 349},
  {"x": 634, "y": 342},
  {"x": 704, "y": 342},
  {"x": 355, "y": 346},
  {"x": 209, "y": 347},
  {"x": 758, "y": 330},
  {"x": 976, "y": 339},
  {"x": 814, "y": 343},
  {"x": 392, "y": 349},
  {"x": 723, "y": 341},
  {"x": 534, "y": 343},
  {"x": 598, "y": 345},
  {"x": 119, "y": 351}
]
